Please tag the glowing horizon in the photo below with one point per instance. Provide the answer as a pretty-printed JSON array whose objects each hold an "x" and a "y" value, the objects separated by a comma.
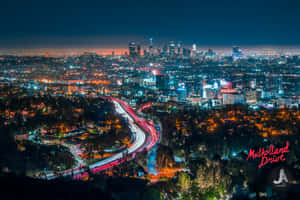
[
  {"x": 74, "y": 51},
  {"x": 61, "y": 51}
]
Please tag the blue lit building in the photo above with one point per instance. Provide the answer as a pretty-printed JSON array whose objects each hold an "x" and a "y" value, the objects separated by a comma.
[{"x": 181, "y": 94}]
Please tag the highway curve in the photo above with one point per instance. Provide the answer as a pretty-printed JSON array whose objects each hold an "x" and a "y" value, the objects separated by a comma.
[{"x": 145, "y": 137}]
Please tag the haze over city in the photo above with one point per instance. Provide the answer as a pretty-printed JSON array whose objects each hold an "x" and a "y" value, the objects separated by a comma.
[{"x": 150, "y": 100}]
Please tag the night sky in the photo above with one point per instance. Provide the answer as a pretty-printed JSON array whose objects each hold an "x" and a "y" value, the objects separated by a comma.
[{"x": 76, "y": 23}]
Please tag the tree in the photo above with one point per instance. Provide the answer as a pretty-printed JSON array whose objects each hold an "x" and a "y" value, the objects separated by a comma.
[
  {"x": 184, "y": 182},
  {"x": 211, "y": 180},
  {"x": 151, "y": 194}
]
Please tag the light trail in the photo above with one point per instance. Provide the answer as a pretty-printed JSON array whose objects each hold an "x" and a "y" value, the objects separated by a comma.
[{"x": 137, "y": 125}]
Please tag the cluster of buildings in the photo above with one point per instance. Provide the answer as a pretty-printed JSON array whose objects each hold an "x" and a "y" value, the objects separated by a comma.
[
  {"x": 171, "y": 49},
  {"x": 170, "y": 72}
]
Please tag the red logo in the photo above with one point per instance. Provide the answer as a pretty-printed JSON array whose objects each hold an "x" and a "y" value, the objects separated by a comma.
[{"x": 271, "y": 155}]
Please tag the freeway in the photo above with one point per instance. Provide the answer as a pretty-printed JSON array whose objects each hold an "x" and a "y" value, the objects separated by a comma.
[{"x": 145, "y": 137}]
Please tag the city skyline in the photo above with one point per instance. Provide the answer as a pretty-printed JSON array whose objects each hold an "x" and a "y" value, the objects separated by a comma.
[
  {"x": 75, "y": 51},
  {"x": 150, "y": 100}
]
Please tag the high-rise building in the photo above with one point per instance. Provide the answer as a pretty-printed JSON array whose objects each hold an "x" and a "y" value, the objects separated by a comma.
[
  {"x": 132, "y": 49},
  {"x": 159, "y": 50},
  {"x": 179, "y": 45},
  {"x": 236, "y": 52},
  {"x": 172, "y": 48},
  {"x": 194, "y": 47},
  {"x": 164, "y": 50},
  {"x": 233, "y": 98},
  {"x": 138, "y": 50},
  {"x": 186, "y": 52},
  {"x": 251, "y": 97},
  {"x": 146, "y": 53},
  {"x": 181, "y": 93},
  {"x": 151, "y": 45},
  {"x": 210, "y": 54},
  {"x": 162, "y": 81},
  {"x": 194, "y": 50}
]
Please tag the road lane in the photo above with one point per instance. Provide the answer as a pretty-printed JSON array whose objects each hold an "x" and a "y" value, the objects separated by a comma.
[{"x": 137, "y": 125}]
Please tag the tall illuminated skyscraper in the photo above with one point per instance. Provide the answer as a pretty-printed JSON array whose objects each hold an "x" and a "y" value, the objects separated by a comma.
[
  {"x": 164, "y": 50},
  {"x": 138, "y": 50},
  {"x": 151, "y": 45},
  {"x": 132, "y": 49},
  {"x": 179, "y": 45},
  {"x": 194, "y": 47},
  {"x": 181, "y": 93},
  {"x": 194, "y": 50},
  {"x": 172, "y": 48},
  {"x": 236, "y": 52}
]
